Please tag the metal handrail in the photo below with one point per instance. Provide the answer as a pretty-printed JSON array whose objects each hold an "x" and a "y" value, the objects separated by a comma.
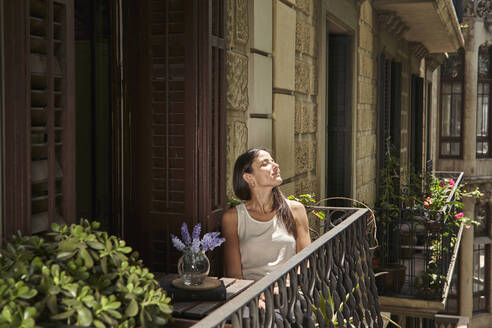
[
  {"x": 315, "y": 268},
  {"x": 454, "y": 256}
]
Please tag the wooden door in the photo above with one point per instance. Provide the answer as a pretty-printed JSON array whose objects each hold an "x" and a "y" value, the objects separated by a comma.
[{"x": 174, "y": 76}]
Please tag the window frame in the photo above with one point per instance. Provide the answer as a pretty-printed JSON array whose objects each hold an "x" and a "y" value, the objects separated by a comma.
[
  {"x": 486, "y": 288},
  {"x": 445, "y": 139},
  {"x": 489, "y": 119},
  {"x": 482, "y": 240}
]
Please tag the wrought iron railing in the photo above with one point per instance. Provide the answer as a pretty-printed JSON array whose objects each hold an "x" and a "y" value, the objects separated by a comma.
[
  {"x": 336, "y": 267},
  {"x": 419, "y": 255}
]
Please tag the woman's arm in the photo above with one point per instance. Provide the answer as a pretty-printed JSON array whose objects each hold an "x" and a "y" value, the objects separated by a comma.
[
  {"x": 231, "y": 247},
  {"x": 302, "y": 225}
]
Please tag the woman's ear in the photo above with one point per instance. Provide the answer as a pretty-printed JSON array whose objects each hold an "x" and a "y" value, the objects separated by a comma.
[{"x": 250, "y": 180}]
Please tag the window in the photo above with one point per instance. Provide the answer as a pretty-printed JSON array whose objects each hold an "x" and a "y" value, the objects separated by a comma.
[
  {"x": 451, "y": 130},
  {"x": 481, "y": 265},
  {"x": 483, "y": 95}
]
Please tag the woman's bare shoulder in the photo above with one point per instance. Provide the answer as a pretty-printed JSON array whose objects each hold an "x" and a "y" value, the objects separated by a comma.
[
  {"x": 295, "y": 205},
  {"x": 230, "y": 215},
  {"x": 298, "y": 211}
]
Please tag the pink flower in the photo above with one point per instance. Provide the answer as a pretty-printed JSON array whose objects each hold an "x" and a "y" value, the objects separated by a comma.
[
  {"x": 468, "y": 227},
  {"x": 428, "y": 202},
  {"x": 451, "y": 182},
  {"x": 442, "y": 185},
  {"x": 459, "y": 215}
]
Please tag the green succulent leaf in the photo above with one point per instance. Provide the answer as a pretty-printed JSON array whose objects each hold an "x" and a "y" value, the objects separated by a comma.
[
  {"x": 84, "y": 316},
  {"x": 132, "y": 309},
  {"x": 63, "y": 315}
]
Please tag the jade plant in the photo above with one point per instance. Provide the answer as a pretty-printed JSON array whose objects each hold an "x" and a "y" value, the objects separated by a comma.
[{"x": 76, "y": 275}]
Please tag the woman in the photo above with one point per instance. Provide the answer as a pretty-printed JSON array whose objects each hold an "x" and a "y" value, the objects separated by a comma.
[{"x": 267, "y": 229}]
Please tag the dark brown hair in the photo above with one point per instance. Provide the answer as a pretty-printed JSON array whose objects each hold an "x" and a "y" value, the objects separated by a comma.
[{"x": 242, "y": 191}]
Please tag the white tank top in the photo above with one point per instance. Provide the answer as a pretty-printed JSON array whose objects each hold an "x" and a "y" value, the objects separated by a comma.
[{"x": 263, "y": 245}]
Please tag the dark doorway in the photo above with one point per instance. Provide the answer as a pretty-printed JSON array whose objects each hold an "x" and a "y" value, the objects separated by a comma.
[
  {"x": 339, "y": 116},
  {"x": 93, "y": 111}
]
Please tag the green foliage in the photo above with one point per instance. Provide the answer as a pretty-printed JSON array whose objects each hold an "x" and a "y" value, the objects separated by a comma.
[
  {"x": 80, "y": 276},
  {"x": 329, "y": 312},
  {"x": 233, "y": 202},
  {"x": 429, "y": 284},
  {"x": 308, "y": 200}
]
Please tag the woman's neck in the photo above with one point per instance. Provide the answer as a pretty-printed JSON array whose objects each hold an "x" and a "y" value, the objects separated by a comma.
[{"x": 261, "y": 201}]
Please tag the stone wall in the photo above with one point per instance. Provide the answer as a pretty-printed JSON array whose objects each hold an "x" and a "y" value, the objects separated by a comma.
[
  {"x": 306, "y": 89},
  {"x": 272, "y": 87},
  {"x": 366, "y": 107}
]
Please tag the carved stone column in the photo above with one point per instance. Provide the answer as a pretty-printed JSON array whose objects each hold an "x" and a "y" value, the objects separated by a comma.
[{"x": 237, "y": 84}]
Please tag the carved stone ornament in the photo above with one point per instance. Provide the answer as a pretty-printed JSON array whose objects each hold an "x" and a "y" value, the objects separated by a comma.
[
  {"x": 481, "y": 9},
  {"x": 237, "y": 81},
  {"x": 418, "y": 49},
  {"x": 393, "y": 23}
]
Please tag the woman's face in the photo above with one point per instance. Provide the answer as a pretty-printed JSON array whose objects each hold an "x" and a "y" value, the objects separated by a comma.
[{"x": 266, "y": 173}]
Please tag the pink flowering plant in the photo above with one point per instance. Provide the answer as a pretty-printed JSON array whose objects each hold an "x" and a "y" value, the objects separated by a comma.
[
  {"x": 193, "y": 243},
  {"x": 442, "y": 207}
]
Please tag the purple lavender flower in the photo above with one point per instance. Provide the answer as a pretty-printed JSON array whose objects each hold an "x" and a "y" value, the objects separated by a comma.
[
  {"x": 177, "y": 243},
  {"x": 196, "y": 232},
  {"x": 185, "y": 234},
  {"x": 210, "y": 241},
  {"x": 195, "y": 245}
]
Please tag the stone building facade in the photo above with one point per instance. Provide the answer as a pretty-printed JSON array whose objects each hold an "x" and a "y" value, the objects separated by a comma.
[
  {"x": 474, "y": 287},
  {"x": 279, "y": 82},
  {"x": 285, "y": 83}
]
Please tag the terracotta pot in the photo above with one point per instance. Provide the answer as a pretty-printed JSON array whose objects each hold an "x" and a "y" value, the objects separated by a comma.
[
  {"x": 391, "y": 282},
  {"x": 433, "y": 226}
]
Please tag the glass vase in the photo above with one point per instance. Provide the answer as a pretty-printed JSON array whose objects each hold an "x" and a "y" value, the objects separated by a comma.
[{"x": 193, "y": 268}]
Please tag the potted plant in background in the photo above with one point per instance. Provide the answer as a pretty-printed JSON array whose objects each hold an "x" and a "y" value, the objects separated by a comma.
[
  {"x": 442, "y": 218},
  {"x": 391, "y": 275},
  {"x": 439, "y": 211},
  {"x": 193, "y": 265}
]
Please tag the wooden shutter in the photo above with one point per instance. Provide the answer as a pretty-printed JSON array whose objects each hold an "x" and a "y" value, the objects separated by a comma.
[
  {"x": 160, "y": 154},
  {"x": 416, "y": 119},
  {"x": 339, "y": 116},
  {"x": 428, "y": 158},
  {"x": 43, "y": 182},
  {"x": 212, "y": 82},
  {"x": 395, "y": 125},
  {"x": 212, "y": 147},
  {"x": 176, "y": 93},
  {"x": 384, "y": 130}
]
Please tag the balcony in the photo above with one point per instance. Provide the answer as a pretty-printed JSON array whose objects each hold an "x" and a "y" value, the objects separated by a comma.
[
  {"x": 335, "y": 268},
  {"x": 420, "y": 257},
  {"x": 432, "y": 23}
]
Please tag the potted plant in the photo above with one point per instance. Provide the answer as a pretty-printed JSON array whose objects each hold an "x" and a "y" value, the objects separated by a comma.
[
  {"x": 392, "y": 274},
  {"x": 77, "y": 275}
]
